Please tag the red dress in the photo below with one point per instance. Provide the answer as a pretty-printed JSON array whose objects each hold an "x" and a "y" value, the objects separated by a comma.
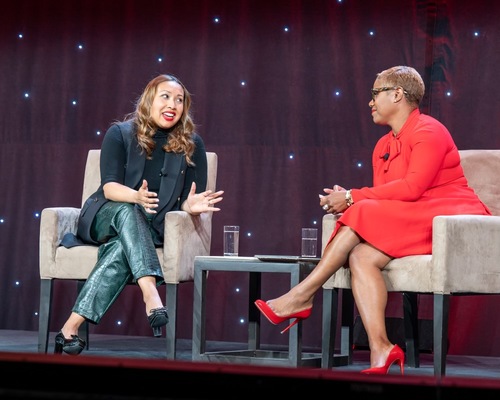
[{"x": 419, "y": 179}]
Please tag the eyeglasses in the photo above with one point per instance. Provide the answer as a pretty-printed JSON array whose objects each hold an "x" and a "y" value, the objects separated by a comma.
[{"x": 376, "y": 91}]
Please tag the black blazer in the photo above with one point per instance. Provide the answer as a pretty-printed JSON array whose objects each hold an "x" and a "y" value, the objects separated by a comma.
[{"x": 173, "y": 191}]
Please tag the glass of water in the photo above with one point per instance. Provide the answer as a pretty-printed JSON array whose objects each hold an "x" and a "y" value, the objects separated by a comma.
[
  {"x": 309, "y": 242},
  {"x": 231, "y": 240}
]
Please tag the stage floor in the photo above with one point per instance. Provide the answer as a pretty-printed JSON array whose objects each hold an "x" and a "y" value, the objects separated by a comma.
[
  {"x": 135, "y": 367},
  {"x": 141, "y": 347}
]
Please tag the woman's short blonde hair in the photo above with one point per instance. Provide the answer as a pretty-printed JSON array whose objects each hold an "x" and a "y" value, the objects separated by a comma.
[{"x": 406, "y": 77}]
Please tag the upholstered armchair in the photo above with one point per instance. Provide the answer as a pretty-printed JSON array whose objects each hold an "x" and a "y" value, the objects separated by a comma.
[
  {"x": 186, "y": 237},
  {"x": 464, "y": 260}
]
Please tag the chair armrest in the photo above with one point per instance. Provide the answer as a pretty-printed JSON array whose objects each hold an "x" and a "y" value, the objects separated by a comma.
[
  {"x": 328, "y": 225},
  {"x": 465, "y": 254},
  {"x": 186, "y": 236},
  {"x": 55, "y": 222}
]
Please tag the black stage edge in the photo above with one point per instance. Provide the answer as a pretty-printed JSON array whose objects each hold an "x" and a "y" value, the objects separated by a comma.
[{"x": 42, "y": 376}]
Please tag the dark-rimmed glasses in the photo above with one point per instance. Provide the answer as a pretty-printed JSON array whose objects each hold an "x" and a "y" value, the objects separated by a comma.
[{"x": 376, "y": 91}]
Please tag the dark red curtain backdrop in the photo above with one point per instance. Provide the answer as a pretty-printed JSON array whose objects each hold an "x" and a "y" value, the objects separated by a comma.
[{"x": 281, "y": 92}]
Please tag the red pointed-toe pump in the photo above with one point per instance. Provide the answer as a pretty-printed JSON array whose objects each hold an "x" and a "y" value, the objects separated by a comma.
[
  {"x": 395, "y": 356},
  {"x": 275, "y": 319}
]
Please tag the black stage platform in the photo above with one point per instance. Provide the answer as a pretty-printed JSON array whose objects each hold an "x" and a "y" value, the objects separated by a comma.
[{"x": 131, "y": 367}]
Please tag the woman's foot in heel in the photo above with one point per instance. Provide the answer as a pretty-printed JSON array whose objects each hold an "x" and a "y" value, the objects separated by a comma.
[
  {"x": 58, "y": 347},
  {"x": 396, "y": 355},
  {"x": 73, "y": 346},
  {"x": 276, "y": 319},
  {"x": 158, "y": 318}
]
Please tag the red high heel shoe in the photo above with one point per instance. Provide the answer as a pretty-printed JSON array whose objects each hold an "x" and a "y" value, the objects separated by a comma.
[
  {"x": 275, "y": 319},
  {"x": 395, "y": 356}
]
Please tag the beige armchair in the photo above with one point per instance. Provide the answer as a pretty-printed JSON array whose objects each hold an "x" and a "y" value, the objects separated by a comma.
[
  {"x": 464, "y": 260},
  {"x": 186, "y": 237}
]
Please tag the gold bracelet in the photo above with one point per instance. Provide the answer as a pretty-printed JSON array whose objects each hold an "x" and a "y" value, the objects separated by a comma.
[{"x": 348, "y": 198}]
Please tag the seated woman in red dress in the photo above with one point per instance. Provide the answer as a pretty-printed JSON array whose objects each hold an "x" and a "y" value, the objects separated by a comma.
[{"x": 416, "y": 176}]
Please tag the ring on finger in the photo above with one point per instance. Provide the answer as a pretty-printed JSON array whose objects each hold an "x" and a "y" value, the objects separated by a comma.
[{"x": 325, "y": 207}]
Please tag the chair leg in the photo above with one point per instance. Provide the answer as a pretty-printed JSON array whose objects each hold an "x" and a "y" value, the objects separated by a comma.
[
  {"x": 330, "y": 307},
  {"x": 410, "y": 319},
  {"x": 347, "y": 331},
  {"x": 44, "y": 314},
  {"x": 441, "y": 311},
  {"x": 171, "y": 301},
  {"x": 330, "y": 320}
]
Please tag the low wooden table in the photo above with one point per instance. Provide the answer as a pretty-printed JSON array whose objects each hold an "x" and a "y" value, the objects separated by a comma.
[{"x": 297, "y": 267}]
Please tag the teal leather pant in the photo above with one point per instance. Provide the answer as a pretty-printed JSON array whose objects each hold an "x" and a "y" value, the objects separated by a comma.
[{"x": 127, "y": 254}]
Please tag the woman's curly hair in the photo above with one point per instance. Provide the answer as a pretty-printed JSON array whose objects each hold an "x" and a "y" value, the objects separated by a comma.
[{"x": 180, "y": 139}]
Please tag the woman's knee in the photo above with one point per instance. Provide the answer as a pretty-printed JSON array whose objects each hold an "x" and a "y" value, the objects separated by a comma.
[
  {"x": 366, "y": 256},
  {"x": 126, "y": 213},
  {"x": 125, "y": 209}
]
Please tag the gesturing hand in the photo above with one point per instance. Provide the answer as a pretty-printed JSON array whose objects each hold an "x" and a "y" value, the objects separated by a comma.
[
  {"x": 149, "y": 200},
  {"x": 197, "y": 203}
]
